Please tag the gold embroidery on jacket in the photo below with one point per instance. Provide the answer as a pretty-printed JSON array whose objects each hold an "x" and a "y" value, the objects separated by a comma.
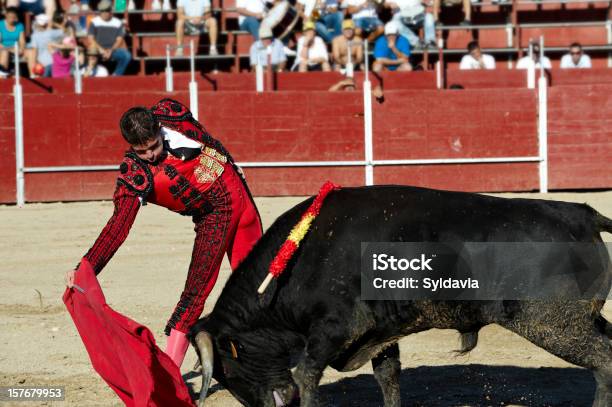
[{"x": 210, "y": 167}]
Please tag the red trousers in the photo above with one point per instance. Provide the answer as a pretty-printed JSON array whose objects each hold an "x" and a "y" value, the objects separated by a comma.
[{"x": 234, "y": 227}]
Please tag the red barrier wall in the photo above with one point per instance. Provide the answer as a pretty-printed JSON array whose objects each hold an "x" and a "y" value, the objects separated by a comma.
[{"x": 64, "y": 129}]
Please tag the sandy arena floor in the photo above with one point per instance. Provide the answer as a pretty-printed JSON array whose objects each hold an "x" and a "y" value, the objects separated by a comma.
[{"x": 40, "y": 346}]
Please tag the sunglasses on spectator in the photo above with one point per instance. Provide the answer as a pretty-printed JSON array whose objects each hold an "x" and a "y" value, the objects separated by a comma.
[{"x": 576, "y": 52}]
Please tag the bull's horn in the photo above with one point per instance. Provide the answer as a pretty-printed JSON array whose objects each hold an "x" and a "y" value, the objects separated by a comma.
[{"x": 204, "y": 344}]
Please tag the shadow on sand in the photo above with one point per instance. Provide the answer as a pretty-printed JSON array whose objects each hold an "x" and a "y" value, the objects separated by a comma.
[{"x": 465, "y": 385}]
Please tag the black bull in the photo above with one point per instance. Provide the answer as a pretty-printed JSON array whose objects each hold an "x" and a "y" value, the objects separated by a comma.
[{"x": 312, "y": 316}]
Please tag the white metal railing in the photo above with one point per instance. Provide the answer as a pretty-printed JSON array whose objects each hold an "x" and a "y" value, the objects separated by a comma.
[
  {"x": 193, "y": 85},
  {"x": 369, "y": 162}
]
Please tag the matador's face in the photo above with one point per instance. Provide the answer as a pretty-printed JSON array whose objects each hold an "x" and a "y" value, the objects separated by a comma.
[{"x": 151, "y": 150}]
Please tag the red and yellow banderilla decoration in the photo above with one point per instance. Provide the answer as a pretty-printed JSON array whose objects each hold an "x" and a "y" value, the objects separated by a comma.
[{"x": 290, "y": 246}]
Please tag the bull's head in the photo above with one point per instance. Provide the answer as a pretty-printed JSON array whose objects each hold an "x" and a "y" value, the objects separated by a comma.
[{"x": 250, "y": 382}]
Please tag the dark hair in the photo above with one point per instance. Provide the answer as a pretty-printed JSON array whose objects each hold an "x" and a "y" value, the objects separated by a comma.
[
  {"x": 576, "y": 45},
  {"x": 456, "y": 86},
  {"x": 138, "y": 125},
  {"x": 472, "y": 45},
  {"x": 13, "y": 10},
  {"x": 58, "y": 17}
]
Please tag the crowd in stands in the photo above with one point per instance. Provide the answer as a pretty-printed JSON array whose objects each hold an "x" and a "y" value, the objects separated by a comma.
[{"x": 331, "y": 36}]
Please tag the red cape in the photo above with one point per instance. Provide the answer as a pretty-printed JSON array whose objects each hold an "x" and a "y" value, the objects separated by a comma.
[{"x": 121, "y": 350}]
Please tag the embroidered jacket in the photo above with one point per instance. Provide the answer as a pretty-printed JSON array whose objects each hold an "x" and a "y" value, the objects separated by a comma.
[{"x": 175, "y": 183}]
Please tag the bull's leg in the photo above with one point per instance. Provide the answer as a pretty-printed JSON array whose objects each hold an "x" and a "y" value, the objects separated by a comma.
[
  {"x": 569, "y": 331},
  {"x": 386, "y": 367},
  {"x": 322, "y": 346}
]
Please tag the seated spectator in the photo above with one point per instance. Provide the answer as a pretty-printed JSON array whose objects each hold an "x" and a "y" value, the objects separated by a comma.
[
  {"x": 11, "y": 33},
  {"x": 38, "y": 52},
  {"x": 63, "y": 58},
  {"x": 94, "y": 69},
  {"x": 311, "y": 51},
  {"x": 475, "y": 59},
  {"x": 576, "y": 58},
  {"x": 106, "y": 34},
  {"x": 251, "y": 13},
  {"x": 365, "y": 16},
  {"x": 327, "y": 17},
  {"x": 36, "y": 7},
  {"x": 410, "y": 16},
  {"x": 193, "y": 18},
  {"x": 61, "y": 21},
  {"x": 340, "y": 47},
  {"x": 534, "y": 60},
  {"x": 392, "y": 51},
  {"x": 268, "y": 45},
  {"x": 467, "y": 10}
]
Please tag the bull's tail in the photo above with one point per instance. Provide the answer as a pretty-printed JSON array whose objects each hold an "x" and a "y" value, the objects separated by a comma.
[
  {"x": 604, "y": 224},
  {"x": 469, "y": 340}
]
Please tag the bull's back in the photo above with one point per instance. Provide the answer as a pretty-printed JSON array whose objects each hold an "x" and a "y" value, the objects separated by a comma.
[{"x": 325, "y": 278}]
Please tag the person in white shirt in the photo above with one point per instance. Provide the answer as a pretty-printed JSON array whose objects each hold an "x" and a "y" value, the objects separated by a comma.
[
  {"x": 251, "y": 12},
  {"x": 410, "y": 16},
  {"x": 366, "y": 19},
  {"x": 526, "y": 62},
  {"x": 311, "y": 51},
  {"x": 267, "y": 45},
  {"x": 576, "y": 58},
  {"x": 194, "y": 17},
  {"x": 475, "y": 59},
  {"x": 93, "y": 67}
]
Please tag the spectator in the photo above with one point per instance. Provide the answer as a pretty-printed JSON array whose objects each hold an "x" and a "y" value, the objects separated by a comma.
[
  {"x": 11, "y": 32},
  {"x": 467, "y": 10},
  {"x": 193, "y": 18},
  {"x": 392, "y": 51},
  {"x": 366, "y": 19},
  {"x": 340, "y": 47},
  {"x": 576, "y": 58},
  {"x": 268, "y": 45},
  {"x": 475, "y": 59},
  {"x": 106, "y": 34},
  {"x": 327, "y": 17},
  {"x": 311, "y": 51},
  {"x": 94, "y": 69},
  {"x": 38, "y": 52},
  {"x": 534, "y": 60},
  {"x": 37, "y": 7},
  {"x": 410, "y": 16},
  {"x": 60, "y": 21},
  {"x": 63, "y": 58},
  {"x": 251, "y": 13}
]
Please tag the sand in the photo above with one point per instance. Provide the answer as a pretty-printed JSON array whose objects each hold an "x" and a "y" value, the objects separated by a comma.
[{"x": 40, "y": 345}]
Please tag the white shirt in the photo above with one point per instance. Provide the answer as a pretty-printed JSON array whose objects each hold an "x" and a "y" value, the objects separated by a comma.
[
  {"x": 469, "y": 62},
  {"x": 369, "y": 11},
  {"x": 317, "y": 51},
  {"x": 254, "y": 6},
  {"x": 100, "y": 71},
  {"x": 414, "y": 5},
  {"x": 526, "y": 62},
  {"x": 194, "y": 8},
  {"x": 583, "y": 62}
]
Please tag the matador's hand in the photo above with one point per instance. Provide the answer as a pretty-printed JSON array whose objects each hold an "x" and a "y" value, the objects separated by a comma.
[{"x": 69, "y": 277}]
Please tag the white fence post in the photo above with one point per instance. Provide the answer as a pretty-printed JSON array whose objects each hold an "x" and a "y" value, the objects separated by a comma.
[
  {"x": 543, "y": 122},
  {"x": 19, "y": 155},
  {"x": 78, "y": 79},
  {"x": 367, "y": 123},
  {"x": 169, "y": 73},
  {"x": 193, "y": 86}
]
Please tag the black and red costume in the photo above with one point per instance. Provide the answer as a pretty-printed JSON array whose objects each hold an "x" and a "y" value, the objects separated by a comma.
[{"x": 206, "y": 185}]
